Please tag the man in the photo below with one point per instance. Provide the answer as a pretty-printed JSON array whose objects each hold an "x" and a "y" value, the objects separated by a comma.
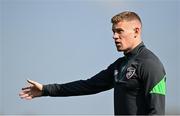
[{"x": 138, "y": 78}]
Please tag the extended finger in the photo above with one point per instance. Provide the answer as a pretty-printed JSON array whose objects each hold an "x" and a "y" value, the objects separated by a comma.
[
  {"x": 29, "y": 97},
  {"x": 24, "y": 92},
  {"x": 26, "y": 88},
  {"x": 24, "y": 95}
]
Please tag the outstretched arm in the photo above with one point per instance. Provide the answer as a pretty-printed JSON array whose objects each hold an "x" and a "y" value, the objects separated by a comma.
[
  {"x": 32, "y": 91},
  {"x": 100, "y": 82}
]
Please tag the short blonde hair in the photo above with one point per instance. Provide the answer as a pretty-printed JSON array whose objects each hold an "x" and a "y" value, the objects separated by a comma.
[{"x": 125, "y": 16}]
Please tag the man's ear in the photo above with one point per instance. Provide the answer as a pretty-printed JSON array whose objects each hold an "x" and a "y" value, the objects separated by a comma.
[{"x": 136, "y": 32}]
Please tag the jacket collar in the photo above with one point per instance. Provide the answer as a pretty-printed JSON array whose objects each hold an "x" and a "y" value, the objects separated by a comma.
[{"x": 135, "y": 51}]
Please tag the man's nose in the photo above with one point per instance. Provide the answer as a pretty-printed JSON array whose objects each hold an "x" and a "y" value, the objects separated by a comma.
[{"x": 115, "y": 36}]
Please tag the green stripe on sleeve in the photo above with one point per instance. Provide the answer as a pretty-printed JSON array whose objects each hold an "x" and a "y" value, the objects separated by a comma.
[{"x": 160, "y": 88}]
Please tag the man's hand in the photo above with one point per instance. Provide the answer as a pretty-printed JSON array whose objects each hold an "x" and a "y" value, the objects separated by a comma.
[{"x": 34, "y": 90}]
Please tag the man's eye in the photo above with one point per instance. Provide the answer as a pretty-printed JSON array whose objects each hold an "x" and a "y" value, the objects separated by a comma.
[{"x": 119, "y": 31}]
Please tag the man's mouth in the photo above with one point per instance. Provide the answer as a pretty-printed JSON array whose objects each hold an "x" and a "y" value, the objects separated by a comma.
[{"x": 118, "y": 43}]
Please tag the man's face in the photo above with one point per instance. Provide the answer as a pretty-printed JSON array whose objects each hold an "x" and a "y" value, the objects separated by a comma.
[{"x": 124, "y": 35}]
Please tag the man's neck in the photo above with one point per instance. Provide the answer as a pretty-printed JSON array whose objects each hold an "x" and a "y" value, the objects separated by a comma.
[{"x": 132, "y": 48}]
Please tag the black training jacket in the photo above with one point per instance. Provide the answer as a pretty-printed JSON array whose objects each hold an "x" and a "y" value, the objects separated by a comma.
[{"x": 138, "y": 80}]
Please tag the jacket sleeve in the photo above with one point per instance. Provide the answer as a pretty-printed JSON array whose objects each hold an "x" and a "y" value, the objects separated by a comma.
[
  {"x": 98, "y": 83},
  {"x": 154, "y": 82}
]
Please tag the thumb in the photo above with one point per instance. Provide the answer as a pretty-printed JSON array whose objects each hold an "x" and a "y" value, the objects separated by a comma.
[
  {"x": 36, "y": 84},
  {"x": 31, "y": 82}
]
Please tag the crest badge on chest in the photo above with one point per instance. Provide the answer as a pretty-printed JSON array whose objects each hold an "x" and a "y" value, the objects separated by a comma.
[{"x": 130, "y": 72}]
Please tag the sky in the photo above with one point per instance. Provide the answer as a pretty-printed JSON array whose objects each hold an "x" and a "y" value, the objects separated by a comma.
[{"x": 59, "y": 41}]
